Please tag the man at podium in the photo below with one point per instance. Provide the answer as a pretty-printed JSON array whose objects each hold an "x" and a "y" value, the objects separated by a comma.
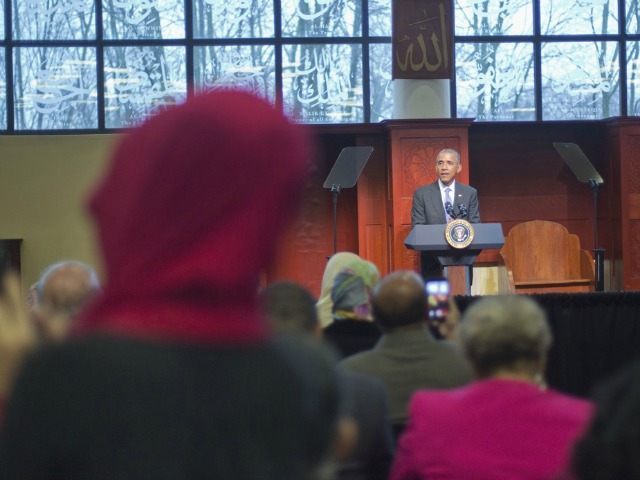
[{"x": 442, "y": 201}]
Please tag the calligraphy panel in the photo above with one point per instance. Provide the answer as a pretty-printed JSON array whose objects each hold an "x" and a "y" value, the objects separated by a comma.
[
  {"x": 380, "y": 18},
  {"x": 248, "y": 67},
  {"x": 380, "y": 85},
  {"x": 55, "y": 88},
  {"x": 143, "y": 19},
  {"x": 422, "y": 39},
  {"x": 580, "y": 80},
  {"x": 233, "y": 19},
  {"x": 494, "y": 81},
  {"x": 140, "y": 80},
  {"x": 493, "y": 17},
  {"x": 323, "y": 83},
  {"x": 3, "y": 90},
  {"x": 633, "y": 78},
  {"x": 578, "y": 17},
  {"x": 54, "y": 19},
  {"x": 321, "y": 18}
]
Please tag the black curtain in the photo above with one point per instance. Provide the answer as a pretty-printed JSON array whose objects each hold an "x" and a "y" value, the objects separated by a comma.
[{"x": 594, "y": 334}]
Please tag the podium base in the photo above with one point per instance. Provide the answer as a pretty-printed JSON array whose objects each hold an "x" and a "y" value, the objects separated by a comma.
[{"x": 459, "y": 281}]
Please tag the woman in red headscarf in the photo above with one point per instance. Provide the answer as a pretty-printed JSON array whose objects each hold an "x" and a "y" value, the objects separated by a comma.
[{"x": 172, "y": 374}]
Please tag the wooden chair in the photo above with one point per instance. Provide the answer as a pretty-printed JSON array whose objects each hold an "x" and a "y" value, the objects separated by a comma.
[{"x": 542, "y": 256}]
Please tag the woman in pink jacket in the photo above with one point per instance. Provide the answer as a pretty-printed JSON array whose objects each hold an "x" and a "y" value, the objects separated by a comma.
[{"x": 506, "y": 425}]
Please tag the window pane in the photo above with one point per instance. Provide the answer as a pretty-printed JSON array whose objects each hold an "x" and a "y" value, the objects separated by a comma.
[
  {"x": 494, "y": 81},
  {"x": 250, "y": 67},
  {"x": 233, "y": 18},
  {"x": 53, "y": 20},
  {"x": 139, "y": 80},
  {"x": 493, "y": 17},
  {"x": 578, "y": 17},
  {"x": 380, "y": 18},
  {"x": 1, "y": 20},
  {"x": 633, "y": 78},
  {"x": 327, "y": 18},
  {"x": 380, "y": 82},
  {"x": 3, "y": 91},
  {"x": 580, "y": 80},
  {"x": 143, "y": 19},
  {"x": 55, "y": 88},
  {"x": 633, "y": 16},
  {"x": 323, "y": 83}
]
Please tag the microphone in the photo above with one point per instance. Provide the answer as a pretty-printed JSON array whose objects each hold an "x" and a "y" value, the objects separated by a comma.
[
  {"x": 449, "y": 209},
  {"x": 462, "y": 211}
]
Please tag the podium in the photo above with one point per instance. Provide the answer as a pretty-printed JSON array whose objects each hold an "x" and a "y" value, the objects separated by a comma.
[{"x": 431, "y": 238}]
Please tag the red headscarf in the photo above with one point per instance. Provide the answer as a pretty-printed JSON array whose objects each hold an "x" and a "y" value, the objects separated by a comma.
[{"x": 189, "y": 214}]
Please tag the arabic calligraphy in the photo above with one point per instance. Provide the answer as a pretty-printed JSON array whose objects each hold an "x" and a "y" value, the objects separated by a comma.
[
  {"x": 144, "y": 82},
  {"x": 314, "y": 9},
  {"x": 422, "y": 44},
  {"x": 321, "y": 86},
  {"x": 56, "y": 87},
  {"x": 237, "y": 70}
]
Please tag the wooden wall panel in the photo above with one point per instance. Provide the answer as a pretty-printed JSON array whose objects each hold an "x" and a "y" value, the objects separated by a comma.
[
  {"x": 372, "y": 205},
  {"x": 520, "y": 176},
  {"x": 309, "y": 242},
  {"x": 625, "y": 133}
]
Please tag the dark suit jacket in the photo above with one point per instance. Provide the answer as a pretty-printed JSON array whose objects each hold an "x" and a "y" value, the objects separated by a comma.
[
  {"x": 409, "y": 359},
  {"x": 366, "y": 402},
  {"x": 427, "y": 208}
]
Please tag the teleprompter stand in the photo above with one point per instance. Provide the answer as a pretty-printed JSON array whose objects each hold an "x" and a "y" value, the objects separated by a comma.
[
  {"x": 344, "y": 174},
  {"x": 431, "y": 238},
  {"x": 585, "y": 172}
]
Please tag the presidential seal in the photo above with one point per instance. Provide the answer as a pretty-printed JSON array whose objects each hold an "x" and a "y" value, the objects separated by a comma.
[{"x": 459, "y": 233}]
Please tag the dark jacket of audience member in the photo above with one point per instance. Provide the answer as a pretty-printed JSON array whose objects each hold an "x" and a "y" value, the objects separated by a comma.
[
  {"x": 353, "y": 329},
  {"x": 610, "y": 449},
  {"x": 172, "y": 374},
  {"x": 506, "y": 425},
  {"x": 291, "y": 310},
  {"x": 407, "y": 357}
]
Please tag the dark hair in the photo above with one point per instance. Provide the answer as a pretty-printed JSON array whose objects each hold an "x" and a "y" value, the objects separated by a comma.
[
  {"x": 290, "y": 308},
  {"x": 610, "y": 449},
  {"x": 399, "y": 299}
]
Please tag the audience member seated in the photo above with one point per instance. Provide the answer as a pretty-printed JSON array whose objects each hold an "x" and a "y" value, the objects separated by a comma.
[
  {"x": 610, "y": 449},
  {"x": 338, "y": 262},
  {"x": 62, "y": 291},
  {"x": 506, "y": 425},
  {"x": 171, "y": 373},
  {"x": 353, "y": 329},
  {"x": 407, "y": 357},
  {"x": 291, "y": 310}
]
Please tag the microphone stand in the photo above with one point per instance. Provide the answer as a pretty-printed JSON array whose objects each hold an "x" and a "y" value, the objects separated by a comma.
[{"x": 335, "y": 191}]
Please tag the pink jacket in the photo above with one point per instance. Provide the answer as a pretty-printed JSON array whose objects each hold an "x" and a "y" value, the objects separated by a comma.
[{"x": 490, "y": 429}]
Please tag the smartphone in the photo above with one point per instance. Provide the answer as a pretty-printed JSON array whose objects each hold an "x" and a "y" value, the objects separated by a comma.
[{"x": 437, "y": 301}]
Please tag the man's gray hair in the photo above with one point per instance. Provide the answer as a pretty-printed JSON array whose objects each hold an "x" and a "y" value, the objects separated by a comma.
[
  {"x": 504, "y": 331},
  {"x": 450, "y": 151},
  {"x": 94, "y": 282}
]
